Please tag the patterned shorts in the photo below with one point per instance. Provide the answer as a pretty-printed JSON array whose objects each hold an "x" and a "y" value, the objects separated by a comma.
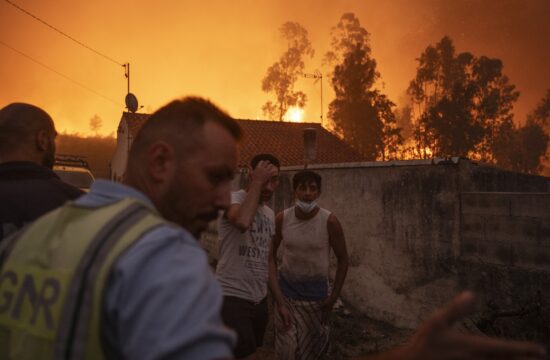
[{"x": 307, "y": 338}]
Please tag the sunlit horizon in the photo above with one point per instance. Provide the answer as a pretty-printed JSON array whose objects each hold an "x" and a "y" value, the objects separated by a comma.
[{"x": 222, "y": 52}]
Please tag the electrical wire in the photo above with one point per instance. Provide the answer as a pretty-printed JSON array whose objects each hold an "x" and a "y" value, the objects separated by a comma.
[
  {"x": 61, "y": 74},
  {"x": 63, "y": 33}
]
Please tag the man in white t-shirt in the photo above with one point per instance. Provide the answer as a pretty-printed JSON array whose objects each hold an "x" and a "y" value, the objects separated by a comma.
[
  {"x": 245, "y": 233},
  {"x": 306, "y": 233}
]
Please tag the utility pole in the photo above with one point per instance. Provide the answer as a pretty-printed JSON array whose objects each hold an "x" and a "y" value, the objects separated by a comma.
[
  {"x": 318, "y": 77},
  {"x": 130, "y": 99},
  {"x": 127, "y": 75}
]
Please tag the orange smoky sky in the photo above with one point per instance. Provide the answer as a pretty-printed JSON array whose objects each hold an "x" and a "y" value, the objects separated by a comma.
[{"x": 221, "y": 50}]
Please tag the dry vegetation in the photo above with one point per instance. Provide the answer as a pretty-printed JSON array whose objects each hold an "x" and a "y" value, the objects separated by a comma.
[{"x": 97, "y": 150}]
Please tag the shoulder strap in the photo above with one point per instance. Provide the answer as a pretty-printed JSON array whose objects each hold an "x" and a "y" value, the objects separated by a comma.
[{"x": 74, "y": 322}]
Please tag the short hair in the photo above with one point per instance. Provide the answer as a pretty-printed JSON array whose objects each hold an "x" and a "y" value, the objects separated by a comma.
[
  {"x": 178, "y": 122},
  {"x": 264, "y": 157},
  {"x": 305, "y": 177},
  {"x": 18, "y": 122}
]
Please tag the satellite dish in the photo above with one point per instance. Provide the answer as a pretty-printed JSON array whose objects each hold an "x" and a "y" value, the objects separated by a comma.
[{"x": 131, "y": 102}]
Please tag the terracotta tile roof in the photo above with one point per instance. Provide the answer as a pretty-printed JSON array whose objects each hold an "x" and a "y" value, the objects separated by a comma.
[
  {"x": 282, "y": 139},
  {"x": 286, "y": 141}
]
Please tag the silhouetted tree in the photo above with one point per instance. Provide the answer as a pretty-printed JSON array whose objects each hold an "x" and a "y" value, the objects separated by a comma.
[
  {"x": 533, "y": 142},
  {"x": 541, "y": 114},
  {"x": 96, "y": 123},
  {"x": 523, "y": 148},
  {"x": 461, "y": 101},
  {"x": 520, "y": 148},
  {"x": 360, "y": 112},
  {"x": 282, "y": 75}
]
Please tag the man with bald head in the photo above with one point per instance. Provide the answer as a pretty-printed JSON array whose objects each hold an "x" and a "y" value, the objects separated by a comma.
[{"x": 28, "y": 186}]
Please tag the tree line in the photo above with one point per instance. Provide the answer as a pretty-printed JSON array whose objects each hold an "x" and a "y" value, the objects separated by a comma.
[
  {"x": 96, "y": 150},
  {"x": 459, "y": 104}
]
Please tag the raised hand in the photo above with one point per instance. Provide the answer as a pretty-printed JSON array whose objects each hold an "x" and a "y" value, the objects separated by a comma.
[
  {"x": 263, "y": 172},
  {"x": 436, "y": 339}
]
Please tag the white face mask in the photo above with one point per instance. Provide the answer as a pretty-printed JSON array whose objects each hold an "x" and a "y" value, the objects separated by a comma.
[{"x": 306, "y": 207}]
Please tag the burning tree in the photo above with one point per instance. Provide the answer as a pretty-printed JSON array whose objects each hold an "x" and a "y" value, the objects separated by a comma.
[
  {"x": 462, "y": 101},
  {"x": 361, "y": 113},
  {"x": 282, "y": 75},
  {"x": 523, "y": 148}
]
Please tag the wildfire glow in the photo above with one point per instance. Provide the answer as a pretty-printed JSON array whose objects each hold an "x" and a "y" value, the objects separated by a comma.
[{"x": 294, "y": 114}]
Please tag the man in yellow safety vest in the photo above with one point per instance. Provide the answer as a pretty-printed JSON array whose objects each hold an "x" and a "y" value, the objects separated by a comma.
[{"x": 112, "y": 275}]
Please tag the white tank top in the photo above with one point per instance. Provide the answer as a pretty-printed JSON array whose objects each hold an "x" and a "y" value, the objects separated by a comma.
[{"x": 305, "y": 256}]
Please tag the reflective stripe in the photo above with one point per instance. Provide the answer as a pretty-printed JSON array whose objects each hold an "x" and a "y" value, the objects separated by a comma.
[
  {"x": 64, "y": 246},
  {"x": 76, "y": 312},
  {"x": 94, "y": 342},
  {"x": 6, "y": 245}
]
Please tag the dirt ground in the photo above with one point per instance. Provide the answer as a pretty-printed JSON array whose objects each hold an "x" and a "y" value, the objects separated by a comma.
[{"x": 353, "y": 335}]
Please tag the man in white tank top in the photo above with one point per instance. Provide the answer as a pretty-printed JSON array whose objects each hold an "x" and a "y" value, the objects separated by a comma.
[{"x": 306, "y": 233}]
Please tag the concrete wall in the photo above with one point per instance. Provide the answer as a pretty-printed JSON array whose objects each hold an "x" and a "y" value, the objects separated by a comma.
[
  {"x": 419, "y": 231},
  {"x": 505, "y": 257},
  {"x": 120, "y": 157},
  {"x": 400, "y": 227},
  {"x": 508, "y": 229},
  {"x": 402, "y": 223}
]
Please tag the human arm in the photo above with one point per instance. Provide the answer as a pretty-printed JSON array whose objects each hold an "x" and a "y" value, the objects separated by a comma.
[
  {"x": 337, "y": 242},
  {"x": 163, "y": 302},
  {"x": 272, "y": 271},
  {"x": 241, "y": 215},
  {"x": 436, "y": 339}
]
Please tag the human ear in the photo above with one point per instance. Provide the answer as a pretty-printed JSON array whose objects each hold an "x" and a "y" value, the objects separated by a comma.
[
  {"x": 42, "y": 140},
  {"x": 161, "y": 161}
]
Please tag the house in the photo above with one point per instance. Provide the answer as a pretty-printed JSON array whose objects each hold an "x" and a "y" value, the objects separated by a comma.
[{"x": 283, "y": 139}]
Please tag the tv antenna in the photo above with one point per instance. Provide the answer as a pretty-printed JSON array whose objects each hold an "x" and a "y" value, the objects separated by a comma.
[
  {"x": 317, "y": 76},
  {"x": 130, "y": 99}
]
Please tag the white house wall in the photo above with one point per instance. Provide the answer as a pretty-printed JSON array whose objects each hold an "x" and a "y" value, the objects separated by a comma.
[{"x": 120, "y": 158}]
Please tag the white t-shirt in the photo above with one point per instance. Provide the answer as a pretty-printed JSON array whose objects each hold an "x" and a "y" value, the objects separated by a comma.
[{"x": 243, "y": 256}]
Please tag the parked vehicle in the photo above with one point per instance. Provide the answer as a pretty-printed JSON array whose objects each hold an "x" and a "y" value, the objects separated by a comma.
[{"x": 74, "y": 170}]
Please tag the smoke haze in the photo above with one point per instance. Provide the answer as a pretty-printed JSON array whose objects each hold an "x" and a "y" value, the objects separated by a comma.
[{"x": 221, "y": 49}]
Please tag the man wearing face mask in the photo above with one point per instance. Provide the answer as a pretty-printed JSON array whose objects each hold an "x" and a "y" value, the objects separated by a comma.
[
  {"x": 306, "y": 234},
  {"x": 245, "y": 233}
]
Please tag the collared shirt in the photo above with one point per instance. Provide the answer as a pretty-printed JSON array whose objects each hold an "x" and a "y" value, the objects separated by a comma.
[{"x": 162, "y": 300}]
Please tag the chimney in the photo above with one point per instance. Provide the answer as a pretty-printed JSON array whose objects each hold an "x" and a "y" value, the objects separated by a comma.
[{"x": 310, "y": 145}]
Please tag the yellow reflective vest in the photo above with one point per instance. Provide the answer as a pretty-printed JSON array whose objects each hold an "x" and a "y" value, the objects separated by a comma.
[{"x": 52, "y": 277}]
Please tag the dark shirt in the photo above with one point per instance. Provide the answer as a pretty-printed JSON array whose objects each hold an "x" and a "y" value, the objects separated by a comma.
[{"x": 27, "y": 191}]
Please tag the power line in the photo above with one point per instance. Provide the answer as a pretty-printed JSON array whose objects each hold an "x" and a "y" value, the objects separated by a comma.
[
  {"x": 60, "y": 74},
  {"x": 63, "y": 33}
]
